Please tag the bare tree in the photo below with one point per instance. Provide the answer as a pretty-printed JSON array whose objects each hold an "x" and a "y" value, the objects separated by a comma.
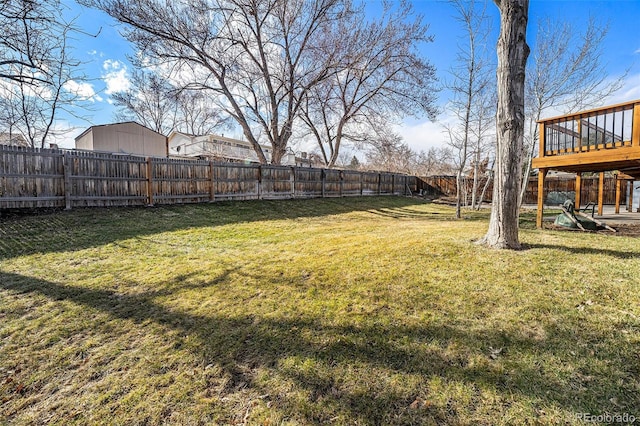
[
  {"x": 387, "y": 151},
  {"x": 26, "y": 37},
  {"x": 10, "y": 117},
  {"x": 482, "y": 143},
  {"x": 155, "y": 102},
  {"x": 148, "y": 101},
  {"x": 470, "y": 80},
  {"x": 566, "y": 74},
  {"x": 256, "y": 58},
  {"x": 380, "y": 73},
  {"x": 196, "y": 115},
  {"x": 435, "y": 161},
  {"x": 41, "y": 76},
  {"x": 512, "y": 59},
  {"x": 485, "y": 187}
]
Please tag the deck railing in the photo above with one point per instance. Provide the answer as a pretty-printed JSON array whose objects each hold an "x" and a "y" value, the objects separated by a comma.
[{"x": 604, "y": 128}]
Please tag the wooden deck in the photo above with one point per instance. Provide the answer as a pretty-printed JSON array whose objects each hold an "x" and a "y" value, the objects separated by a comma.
[{"x": 599, "y": 140}]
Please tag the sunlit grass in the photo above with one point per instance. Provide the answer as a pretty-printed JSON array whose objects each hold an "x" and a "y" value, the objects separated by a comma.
[{"x": 345, "y": 311}]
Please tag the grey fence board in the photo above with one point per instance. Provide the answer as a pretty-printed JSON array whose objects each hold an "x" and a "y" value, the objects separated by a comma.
[{"x": 31, "y": 177}]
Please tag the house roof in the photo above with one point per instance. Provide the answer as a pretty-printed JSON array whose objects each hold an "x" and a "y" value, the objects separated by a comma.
[
  {"x": 116, "y": 124},
  {"x": 175, "y": 132}
]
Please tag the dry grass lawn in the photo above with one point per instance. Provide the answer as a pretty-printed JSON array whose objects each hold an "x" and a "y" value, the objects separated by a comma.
[{"x": 362, "y": 311}]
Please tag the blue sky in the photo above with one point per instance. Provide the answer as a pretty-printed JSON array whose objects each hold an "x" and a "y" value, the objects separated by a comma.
[{"x": 105, "y": 55}]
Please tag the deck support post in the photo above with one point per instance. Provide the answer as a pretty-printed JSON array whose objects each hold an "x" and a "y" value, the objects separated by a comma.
[
  {"x": 618, "y": 187},
  {"x": 578, "y": 190},
  {"x": 600, "y": 193},
  {"x": 630, "y": 198},
  {"x": 541, "y": 140},
  {"x": 542, "y": 173},
  {"x": 635, "y": 131}
]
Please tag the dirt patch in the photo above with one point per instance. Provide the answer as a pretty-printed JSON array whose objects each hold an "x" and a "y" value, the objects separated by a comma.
[
  {"x": 622, "y": 230},
  {"x": 445, "y": 200},
  {"x": 625, "y": 230}
]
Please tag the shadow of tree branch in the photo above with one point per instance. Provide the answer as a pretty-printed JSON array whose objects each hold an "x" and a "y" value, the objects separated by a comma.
[
  {"x": 85, "y": 228},
  {"x": 587, "y": 250},
  {"x": 247, "y": 343}
]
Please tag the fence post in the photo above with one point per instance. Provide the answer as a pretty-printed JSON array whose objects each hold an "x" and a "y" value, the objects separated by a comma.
[
  {"x": 212, "y": 183},
  {"x": 361, "y": 184},
  {"x": 393, "y": 184},
  {"x": 66, "y": 167},
  {"x": 379, "y": 183},
  {"x": 259, "y": 184},
  {"x": 341, "y": 182},
  {"x": 149, "y": 181},
  {"x": 323, "y": 176},
  {"x": 292, "y": 179}
]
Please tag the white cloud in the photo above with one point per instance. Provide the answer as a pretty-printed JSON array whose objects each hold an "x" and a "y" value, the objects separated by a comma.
[
  {"x": 115, "y": 77},
  {"x": 83, "y": 90},
  {"x": 112, "y": 65},
  {"x": 425, "y": 134},
  {"x": 64, "y": 132},
  {"x": 630, "y": 91},
  {"x": 94, "y": 52},
  {"x": 422, "y": 135}
]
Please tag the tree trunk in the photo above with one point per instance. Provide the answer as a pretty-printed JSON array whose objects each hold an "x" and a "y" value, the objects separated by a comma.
[
  {"x": 512, "y": 58},
  {"x": 474, "y": 188},
  {"x": 336, "y": 146},
  {"x": 484, "y": 191},
  {"x": 458, "y": 194},
  {"x": 278, "y": 153}
]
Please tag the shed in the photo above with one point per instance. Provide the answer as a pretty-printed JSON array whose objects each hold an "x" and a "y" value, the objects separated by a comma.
[{"x": 123, "y": 138}]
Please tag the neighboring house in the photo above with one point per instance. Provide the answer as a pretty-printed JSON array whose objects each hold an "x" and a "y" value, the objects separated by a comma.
[
  {"x": 123, "y": 138},
  {"x": 12, "y": 139},
  {"x": 306, "y": 160},
  {"x": 219, "y": 148}
]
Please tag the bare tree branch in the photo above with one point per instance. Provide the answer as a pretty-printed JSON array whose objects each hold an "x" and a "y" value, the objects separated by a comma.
[
  {"x": 470, "y": 82},
  {"x": 257, "y": 58},
  {"x": 566, "y": 74},
  {"x": 41, "y": 76},
  {"x": 379, "y": 74}
]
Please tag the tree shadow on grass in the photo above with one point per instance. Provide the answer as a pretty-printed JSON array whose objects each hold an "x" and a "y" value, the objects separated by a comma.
[
  {"x": 86, "y": 228},
  {"x": 248, "y": 343},
  {"x": 408, "y": 213},
  {"x": 631, "y": 254}
]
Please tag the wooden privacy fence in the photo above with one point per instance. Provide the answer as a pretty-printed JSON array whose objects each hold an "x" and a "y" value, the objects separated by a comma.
[
  {"x": 446, "y": 185},
  {"x": 34, "y": 178}
]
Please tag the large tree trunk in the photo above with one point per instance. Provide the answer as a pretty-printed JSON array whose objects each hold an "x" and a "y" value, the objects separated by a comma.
[{"x": 512, "y": 58}]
